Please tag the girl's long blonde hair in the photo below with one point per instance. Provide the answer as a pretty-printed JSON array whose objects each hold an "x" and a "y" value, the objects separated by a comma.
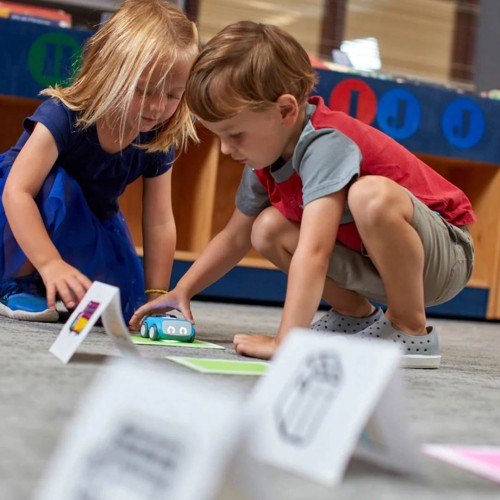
[{"x": 143, "y": 35}]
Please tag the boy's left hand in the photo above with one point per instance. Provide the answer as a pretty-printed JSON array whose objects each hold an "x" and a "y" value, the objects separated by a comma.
[{"x": 255, "y": 346}]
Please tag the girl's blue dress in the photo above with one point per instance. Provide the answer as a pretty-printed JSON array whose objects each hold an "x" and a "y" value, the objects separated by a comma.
[{"x": 79, "y": 203}]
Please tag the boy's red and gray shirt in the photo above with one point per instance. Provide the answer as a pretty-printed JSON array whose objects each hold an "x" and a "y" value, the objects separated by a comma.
[{"x": 334, "y": 149}]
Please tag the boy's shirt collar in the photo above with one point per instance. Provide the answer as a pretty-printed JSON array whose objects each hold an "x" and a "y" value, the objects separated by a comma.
[{"x": 281, "y": 170}]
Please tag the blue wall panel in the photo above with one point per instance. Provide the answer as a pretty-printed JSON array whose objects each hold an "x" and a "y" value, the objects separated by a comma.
[
  {"x": 425, "y": 118},
  {"x": 34, "y": 56}
]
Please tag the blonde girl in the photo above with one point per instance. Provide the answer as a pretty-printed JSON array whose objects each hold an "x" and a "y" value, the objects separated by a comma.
[{"x": 120, "y": 119}]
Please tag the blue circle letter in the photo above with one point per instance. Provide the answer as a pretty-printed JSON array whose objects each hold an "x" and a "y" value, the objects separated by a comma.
[
  {"x": 399, "y": 113},
  {"x": 463, "y": 123}
]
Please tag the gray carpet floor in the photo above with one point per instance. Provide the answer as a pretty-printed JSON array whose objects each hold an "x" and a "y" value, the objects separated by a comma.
[{"x": 456, "y": 404}]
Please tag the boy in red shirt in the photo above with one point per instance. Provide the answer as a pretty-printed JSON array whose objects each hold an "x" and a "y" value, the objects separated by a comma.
[{"x": 347, "y": 212}]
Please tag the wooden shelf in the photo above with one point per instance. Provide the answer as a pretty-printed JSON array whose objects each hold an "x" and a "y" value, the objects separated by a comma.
[
  {"x": 13, "y": 111},
  {"x": 481, "y": 183}
]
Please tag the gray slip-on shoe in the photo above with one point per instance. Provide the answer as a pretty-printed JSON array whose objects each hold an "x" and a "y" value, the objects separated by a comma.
[
  {"x": 417, "y": 351},
  {"x": 334, "y": 322}
]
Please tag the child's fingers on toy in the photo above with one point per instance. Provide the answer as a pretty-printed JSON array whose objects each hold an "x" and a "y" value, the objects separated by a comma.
[
  {"x": 134, "y": 328},
  {"x": 136, "y": 319},
  {"x": 185, "y": 310}
]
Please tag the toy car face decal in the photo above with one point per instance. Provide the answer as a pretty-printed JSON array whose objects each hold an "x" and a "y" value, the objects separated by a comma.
[
  {"x": 83, "y": 318},
  {"x": 167, "y": 327}
]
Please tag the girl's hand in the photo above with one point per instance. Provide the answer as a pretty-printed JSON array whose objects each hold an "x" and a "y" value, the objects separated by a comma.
[
  {"x": 255, "y": 346},
  {"x": 64, "y": 280},
  {"x": 176, "y": 299}
]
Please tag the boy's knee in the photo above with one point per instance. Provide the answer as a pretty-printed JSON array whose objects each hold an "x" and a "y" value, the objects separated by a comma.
[
  {"x": 372, "y": 198},
  {"x": 266, "y": 228},
  {"x": 269, "y": 228}
]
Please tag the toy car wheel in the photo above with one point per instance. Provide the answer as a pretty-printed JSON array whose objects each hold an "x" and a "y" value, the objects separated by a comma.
[
  {"x": 153, "y": 332},
  {"x": 144, "y": 331}
]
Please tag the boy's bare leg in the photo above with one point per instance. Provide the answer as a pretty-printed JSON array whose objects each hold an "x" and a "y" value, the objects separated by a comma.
[
  {"x": 276, "y": 238},
  {"x": 383, "y": 211}
]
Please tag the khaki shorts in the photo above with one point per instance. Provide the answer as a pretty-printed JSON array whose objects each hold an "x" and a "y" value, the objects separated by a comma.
[{"x": 449, "y": 260}]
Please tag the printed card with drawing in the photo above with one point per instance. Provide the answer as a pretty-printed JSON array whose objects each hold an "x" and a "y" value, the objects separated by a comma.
[
  {"x": 309, "y": 412},
  {"x": 101, "y": 300},
  {"x": 136, "y": 436}
]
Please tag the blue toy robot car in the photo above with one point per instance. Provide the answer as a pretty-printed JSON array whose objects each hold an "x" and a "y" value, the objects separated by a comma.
[{"x": 167, "y": 327}]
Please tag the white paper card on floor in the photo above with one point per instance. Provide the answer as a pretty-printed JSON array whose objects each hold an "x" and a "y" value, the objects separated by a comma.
[
  {"x": 386, "y": 439},
  {"x": 308, "y": 413},
  {"x": 101, "y": 300},
  {"x": 137, "y": 435}
]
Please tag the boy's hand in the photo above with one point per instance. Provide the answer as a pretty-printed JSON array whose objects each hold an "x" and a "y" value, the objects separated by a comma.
[
  {"x": 64, "y": 280},
  {"x": 172, "y": 300},
  {"x": 255, "y": 346}
]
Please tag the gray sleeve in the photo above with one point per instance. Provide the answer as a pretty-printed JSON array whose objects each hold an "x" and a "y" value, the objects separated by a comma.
[
  {"x": 251, "y": 197},
  {"x": 326, "y": 161}
]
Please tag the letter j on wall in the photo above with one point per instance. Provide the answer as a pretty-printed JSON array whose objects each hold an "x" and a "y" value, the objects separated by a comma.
[{"x": 52, "y": 58}]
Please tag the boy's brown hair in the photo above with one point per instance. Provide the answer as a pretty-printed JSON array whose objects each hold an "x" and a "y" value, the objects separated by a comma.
[{"x": 247, "y": 65}]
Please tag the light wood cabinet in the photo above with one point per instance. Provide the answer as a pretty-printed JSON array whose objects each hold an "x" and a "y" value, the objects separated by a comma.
[
  {"x": 481, "y": 183},
  {"x": 205, "y": 183},
  {"x": 13, "y": 110}
]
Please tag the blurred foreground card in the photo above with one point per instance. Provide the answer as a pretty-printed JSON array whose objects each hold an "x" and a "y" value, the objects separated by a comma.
[{"x": 135, "y": 437}]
